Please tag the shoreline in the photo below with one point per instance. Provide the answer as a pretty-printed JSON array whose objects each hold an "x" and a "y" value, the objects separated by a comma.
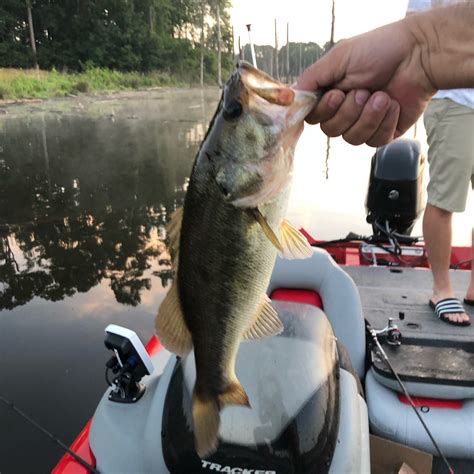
[
  {"x": 27, "y": 86},
  {"x": 6, "y": 104}
]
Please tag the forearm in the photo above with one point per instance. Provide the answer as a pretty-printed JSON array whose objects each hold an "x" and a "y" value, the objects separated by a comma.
[{"x": 445, "y": 44}]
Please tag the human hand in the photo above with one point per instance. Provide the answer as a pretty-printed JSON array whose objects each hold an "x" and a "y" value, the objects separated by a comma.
[{"x": 379, "y": 86}]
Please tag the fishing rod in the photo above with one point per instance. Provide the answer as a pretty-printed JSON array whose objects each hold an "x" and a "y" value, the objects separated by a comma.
[
  {"x": 252, "y": 49},
  {"x": 53, "y": 438},
  {"x": 374, "y": 334}
]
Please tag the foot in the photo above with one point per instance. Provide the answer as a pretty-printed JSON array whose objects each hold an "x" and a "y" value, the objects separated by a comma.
[
  {"x": 469, "y": 299},
  {"x": 459, "y": 318}
]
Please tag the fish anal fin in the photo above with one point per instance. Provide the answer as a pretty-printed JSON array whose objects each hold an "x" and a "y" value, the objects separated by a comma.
[
  {"x": 267, "y": 230},
  {"x": 266, "y": 322},
  {"x": 206, "y": 422},
  {"x": 170, "y": 326},
  {"x": 294, "y": 243}
]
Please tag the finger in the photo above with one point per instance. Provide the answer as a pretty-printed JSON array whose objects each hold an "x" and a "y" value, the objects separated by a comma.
[
  {"x": 347, "y": 114},
  {"x": 386, "y": 131},
  {"x": 370, "y": 119},
  {"x": 326, "y": 107},
  {"x": 408, "y": 117}
]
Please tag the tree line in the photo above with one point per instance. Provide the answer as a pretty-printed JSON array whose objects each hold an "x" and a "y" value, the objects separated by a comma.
[
  {"x": 191, "y": 39},
  {"x": 290, "y": 61},
  {"x": 178, "y": 36}
]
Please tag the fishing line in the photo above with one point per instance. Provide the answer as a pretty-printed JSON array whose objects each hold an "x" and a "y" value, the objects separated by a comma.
[
  {"x": 78, "y": 458},
  {"x": 405, "y": 391}
]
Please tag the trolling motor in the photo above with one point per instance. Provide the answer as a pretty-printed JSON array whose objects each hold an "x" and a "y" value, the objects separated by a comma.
[
  {"x": 129, "y": 364},
  {"x": 395, "y": 196}
]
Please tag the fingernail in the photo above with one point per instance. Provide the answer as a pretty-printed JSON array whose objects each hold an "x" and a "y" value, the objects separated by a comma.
[
  {"x": 335, "y": 100},
  {"x": 361, "y": 97},
  {"x": 380, "y": 102}
]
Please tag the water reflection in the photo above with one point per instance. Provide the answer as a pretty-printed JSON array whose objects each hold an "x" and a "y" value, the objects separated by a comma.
[
  {"x": 83, "y": 199},
  {"x": 86, "y": 188}
]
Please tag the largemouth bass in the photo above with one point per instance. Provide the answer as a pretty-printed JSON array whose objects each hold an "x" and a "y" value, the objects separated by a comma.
[{"x": 225, "y": 240}]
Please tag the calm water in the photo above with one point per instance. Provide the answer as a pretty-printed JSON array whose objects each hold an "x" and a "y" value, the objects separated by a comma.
[{"x": 85, "y": 188}]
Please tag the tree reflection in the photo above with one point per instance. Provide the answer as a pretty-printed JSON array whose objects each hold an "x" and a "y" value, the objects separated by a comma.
[{"x": 96, "y": 210}]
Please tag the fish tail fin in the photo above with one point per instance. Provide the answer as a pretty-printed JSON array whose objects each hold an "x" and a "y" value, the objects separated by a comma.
[
  {"x": 234, "y": 394},
  {"x": 206, "y": 418},
  {"x": 206, "y": 421}
]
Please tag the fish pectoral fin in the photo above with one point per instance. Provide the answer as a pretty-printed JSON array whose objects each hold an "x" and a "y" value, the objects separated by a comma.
[
  {"x": 206, "y": 422},
  {"x": 266, "y": 322},
  {"x": 170, "y": 326},
  {"x": 267, "y": 230},
  {"x": 294, "y": 243},
  {"x": 173, "y": 231}
]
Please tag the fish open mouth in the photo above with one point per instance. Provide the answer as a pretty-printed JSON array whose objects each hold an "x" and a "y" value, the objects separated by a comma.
[
  {"x": 276, "y": 115},
  {"x": 269, "y": 99},
  {"x": 265, "y": 86}
]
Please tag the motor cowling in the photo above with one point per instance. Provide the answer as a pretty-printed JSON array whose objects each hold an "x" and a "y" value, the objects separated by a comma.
[
  {"x": 395, "y": 196},
  {"x": 292, "y": 381}
]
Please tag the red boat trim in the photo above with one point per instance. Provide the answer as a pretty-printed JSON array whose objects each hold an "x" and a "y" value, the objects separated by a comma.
[
  {"x": 344, "y": 253},
  {"x": 153, "y": 346},
  {"x": 308, "y": 236},
  {"x": 431, "y": 402},
  {"x": 298, "y": 296},
  {"x": 67, "y": 464}
]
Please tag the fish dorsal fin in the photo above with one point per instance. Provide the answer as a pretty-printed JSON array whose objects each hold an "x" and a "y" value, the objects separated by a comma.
[
  {"x": 294, "y": 243},
  {"x": 266, "y": 322},
  {"x": 267, "y": 230},
  {"x": 170, "y": 326},
  {"x": 173, "y": 231}
]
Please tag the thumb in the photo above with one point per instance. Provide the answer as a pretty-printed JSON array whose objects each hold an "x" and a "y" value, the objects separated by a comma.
[{"x": 325, "y": 72}]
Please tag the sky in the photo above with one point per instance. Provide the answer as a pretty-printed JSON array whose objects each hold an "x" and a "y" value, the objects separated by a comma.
[{"x": 311, "y": 20}]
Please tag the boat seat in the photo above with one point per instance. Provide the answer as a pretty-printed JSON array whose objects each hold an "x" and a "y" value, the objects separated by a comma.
[
  {"x": 451, "y": 422},
  {"x": 440, "y": 371},
  {"x": 338, "y": 293},
  {"x": 440, "y": 380}
]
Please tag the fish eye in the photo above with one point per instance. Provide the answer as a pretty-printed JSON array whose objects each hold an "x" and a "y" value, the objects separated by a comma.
[{"x": 232, "y": 109}]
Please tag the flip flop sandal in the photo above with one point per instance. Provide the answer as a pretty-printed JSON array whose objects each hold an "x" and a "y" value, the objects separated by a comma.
[
  {"x": 468, "y": 302},
  {"x": 449, "y": 306}
]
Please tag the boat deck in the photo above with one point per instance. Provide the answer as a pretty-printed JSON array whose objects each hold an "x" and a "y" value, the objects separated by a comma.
[
  {"x": 386, "y": 293},
  {"x": 393, "y": 292}
]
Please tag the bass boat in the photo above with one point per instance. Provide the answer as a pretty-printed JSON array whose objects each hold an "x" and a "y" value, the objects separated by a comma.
[{"x": 361, "y": 354}]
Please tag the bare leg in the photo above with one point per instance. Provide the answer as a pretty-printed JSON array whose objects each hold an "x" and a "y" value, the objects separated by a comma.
[
  {"x": 470, "y": 288},
  {"x": 437, "y": 234}
]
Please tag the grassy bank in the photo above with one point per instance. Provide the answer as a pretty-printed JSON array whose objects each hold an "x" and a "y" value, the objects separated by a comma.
[{"x": 24, "y": 84}]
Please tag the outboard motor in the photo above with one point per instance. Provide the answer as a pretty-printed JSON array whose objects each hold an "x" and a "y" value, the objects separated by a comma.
[{"x": 395, "y": 196}]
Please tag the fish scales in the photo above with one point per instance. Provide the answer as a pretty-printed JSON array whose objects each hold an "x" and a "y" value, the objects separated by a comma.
[{"x": 234, "y": 263}]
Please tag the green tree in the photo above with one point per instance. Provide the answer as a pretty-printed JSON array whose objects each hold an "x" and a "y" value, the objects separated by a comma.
[{"x": 140, "y": 35}]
